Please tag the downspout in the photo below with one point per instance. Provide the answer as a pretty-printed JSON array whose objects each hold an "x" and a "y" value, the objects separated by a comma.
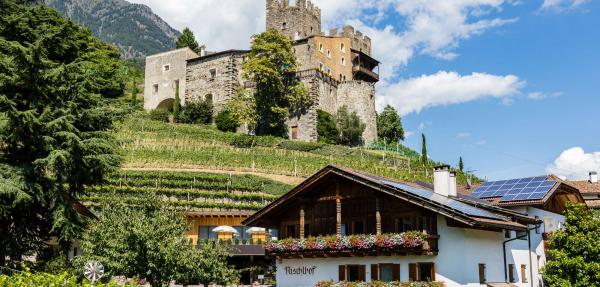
[
  {"x": 529, "y": 251},
  {"x": 504, "y": 253}
]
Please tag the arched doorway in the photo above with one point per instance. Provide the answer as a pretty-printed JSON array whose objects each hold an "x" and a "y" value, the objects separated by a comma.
[{"x": 166, "y": 104}]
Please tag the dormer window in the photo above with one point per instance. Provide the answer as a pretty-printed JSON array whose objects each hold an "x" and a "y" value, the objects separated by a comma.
[{"x": 166, "y": 68}]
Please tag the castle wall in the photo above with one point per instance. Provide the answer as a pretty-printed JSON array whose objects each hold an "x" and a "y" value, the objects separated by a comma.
[
  {"x": 295, "y": 21},
  {"x": 359, "y": 97},
  {"x": 162, "y": 71},
  {"x": 358, "y": 41},
  {"x": 215, "y": 76}
]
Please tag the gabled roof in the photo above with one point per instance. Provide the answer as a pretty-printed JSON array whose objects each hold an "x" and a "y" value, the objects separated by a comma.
[{"x": 469, "y": 213}]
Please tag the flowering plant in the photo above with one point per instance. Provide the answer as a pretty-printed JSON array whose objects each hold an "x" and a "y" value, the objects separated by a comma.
[{"x": 411, "y": 239}]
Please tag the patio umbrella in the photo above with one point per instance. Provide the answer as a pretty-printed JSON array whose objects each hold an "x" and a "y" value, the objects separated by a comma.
[
  {"x": 252, "y": 230},
  {"x": 225, "y": 228}
]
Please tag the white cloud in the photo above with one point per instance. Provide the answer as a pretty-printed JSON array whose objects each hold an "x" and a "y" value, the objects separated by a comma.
[
  {"x": 481, "y": 142},
  {"x": 219, "y": 24},
  {"x": 575, "y": 163},
  {"x": 562, "y": 5},
  {"x": 463, "y": 135},
  {"x": 446, "y": 88},
  {"x": 408, "y": 134}
]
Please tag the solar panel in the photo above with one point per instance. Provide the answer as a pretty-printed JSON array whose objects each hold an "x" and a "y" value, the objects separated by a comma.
[
  {"x": 454, "y": 204},
  {"x": 529, "y": 188},
  {"x": 530, "y": 193}
]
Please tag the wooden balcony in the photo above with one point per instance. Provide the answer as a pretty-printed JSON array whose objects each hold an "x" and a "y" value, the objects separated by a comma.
[
  {"x": 242, "y": 249},
  {"x": 429, "y": 247},
  {"x": 364, "y": 73}
]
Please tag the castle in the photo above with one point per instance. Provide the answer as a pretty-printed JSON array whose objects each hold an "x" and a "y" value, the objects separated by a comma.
[{"x": 336, "y": 68}]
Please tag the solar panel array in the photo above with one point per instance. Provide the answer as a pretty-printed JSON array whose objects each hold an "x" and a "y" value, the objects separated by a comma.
[
  {"x": 454, "y": 204},
  {"x": 531, "y": 188}
]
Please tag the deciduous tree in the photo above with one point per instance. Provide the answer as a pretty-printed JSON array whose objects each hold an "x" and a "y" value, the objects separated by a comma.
[
  {"x": 575, "y": 250},
  {"x": 389, "y": 125},
  {"x": 350, "y": 127},
  {"x": 278, "y": 93}
]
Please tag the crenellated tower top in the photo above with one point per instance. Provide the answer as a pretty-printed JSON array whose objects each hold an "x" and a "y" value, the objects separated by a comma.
[{"x": 296, "y": 19}]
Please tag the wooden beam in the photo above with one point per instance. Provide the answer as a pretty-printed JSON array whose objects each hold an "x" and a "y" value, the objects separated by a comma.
[
  {"x": 338, "y": 210},
  {"x": 378, "y": 216},
  {"x": 302, "y": 221}
]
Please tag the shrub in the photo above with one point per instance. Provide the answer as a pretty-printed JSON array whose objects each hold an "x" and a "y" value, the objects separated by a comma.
[
  {"x": 197, "y": 112},
  {"x": 300, "y": 146},
  {"x": 326, "y": 128},
  {"x": 27, "y": 279},
  {"x": 160, "y": 115},
  {"x": 226, "y": 121}
]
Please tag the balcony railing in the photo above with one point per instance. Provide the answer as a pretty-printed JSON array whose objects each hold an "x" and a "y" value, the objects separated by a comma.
[
  {"x": 355, "y": 245},
  {"x": 238, "y": 248},
  {"x": 365, "y": 71}
]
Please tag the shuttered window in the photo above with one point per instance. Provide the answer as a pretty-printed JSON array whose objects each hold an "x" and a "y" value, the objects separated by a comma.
[
  {"x": 511, "y": 273},
  {"x": 421, "y": 271},
  {"x": 412, "y": 272},
  {"x": 524, "y": 273},
  {"x": 374, "y": 272},
  {"x": 396, "y": 272},
  {"x": 342, "y": 272},
  {"x": 352, "y": 273},
  {"x": 482, "y": 279}
]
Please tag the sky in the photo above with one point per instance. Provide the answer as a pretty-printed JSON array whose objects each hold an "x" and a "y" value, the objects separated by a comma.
[{"x": 511, "y": 86}]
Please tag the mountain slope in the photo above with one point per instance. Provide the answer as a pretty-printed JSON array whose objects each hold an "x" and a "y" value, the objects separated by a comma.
[{"x": 133, "y": 28}]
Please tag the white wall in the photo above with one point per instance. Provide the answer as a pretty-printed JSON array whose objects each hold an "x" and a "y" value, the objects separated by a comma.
[
  {"x": 156, "y": 75},
  {"x": 517, "y": 253},
  {"x": 457, "y": 263}
]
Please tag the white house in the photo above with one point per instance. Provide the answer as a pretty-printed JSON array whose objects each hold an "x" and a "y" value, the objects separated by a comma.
[{"x": 342, "y": 224}]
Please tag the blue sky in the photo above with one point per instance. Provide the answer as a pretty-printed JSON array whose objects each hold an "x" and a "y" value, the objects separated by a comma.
[{"x": 511, "y": 86}]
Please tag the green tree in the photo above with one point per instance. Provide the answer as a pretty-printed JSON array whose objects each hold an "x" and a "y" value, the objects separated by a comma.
[
  {"x": 197, "y": 112},
  {"x": 389, "y": 125},
  {"x": 147, "y": 241},
  {"x": 424, "y": 156},
  {"x": 54, "y": 124},
  {"x": 574, "y": 259},
  {"x": 187, "y": 39},
  {"x": 134, "y": 92},
  {"x": 326, "y": 127},
  {"x": 278, "y": 93},
  {"x": 226, "y": 122},
  {"x": 350, "y": 127},
  {"x": 243, "y": 108},
  {"x": 176, "y": 103},
  {"x": 461, "y": 164}
]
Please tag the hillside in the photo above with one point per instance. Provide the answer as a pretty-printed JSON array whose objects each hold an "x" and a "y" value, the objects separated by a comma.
[
  {"x": 133, "y": 28},
  {"x": 201, "y": 168}
]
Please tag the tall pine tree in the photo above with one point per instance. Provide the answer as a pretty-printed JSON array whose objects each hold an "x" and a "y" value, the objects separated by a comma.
[
  {"x": 54, "y": 124},
  {"x": 461, "y": 164},
  {"x": 187, "y": 39}
]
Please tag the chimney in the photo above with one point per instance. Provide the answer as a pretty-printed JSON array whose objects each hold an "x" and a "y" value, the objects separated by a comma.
[
  {"x": 593, "y": 177},
  {"x": 202, "y": 51},
  {"x": 452, "y": 183},
  {"x": 441, "y": 180}
]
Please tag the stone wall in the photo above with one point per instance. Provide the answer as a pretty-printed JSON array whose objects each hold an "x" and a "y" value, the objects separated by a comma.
[
  {"x": 359, "y": 97},
  {"x": 359, "y": 41},
  {"x": 162, "y": 72},
  {"x": 221, "y": 85},
  {"x": 295, "y": 21}
]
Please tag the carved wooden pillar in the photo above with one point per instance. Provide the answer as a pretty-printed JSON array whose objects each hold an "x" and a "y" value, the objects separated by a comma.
[
  {"x": 338, "y": 210},
  {"x": 302, "y": 221},
  {"x": 378, "y": 216}
]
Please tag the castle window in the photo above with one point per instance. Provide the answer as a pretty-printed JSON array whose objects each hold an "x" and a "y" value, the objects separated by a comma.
[
  {"x": 343, "y": 61},
  {"x": 329, "y": 54},
  {"x": 343, "y": 48},
  {"x": 321, "y": 48},
  {"x": 155, "y": 88},
  {"x": 284, "y": 26},
  {"x": 212, "y": 73},
  {"x": 166, "y": 68}
]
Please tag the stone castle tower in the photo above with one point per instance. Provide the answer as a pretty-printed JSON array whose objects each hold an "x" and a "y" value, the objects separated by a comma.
[{"x": 295, "y": 20}]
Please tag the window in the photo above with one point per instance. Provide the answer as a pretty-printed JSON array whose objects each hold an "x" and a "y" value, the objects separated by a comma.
[
  {"x": 284, "y": 26},
  {"x": 482, "y": 279},
  {"x": 523, "y": 273},
  {"x": 507, "y": 234},
  {"x": 537, "y": 226},
  {"x": 205, "y": 232},
  {"x": 343, "y": 61},
  {"x": 212, "y": 73},
  {"x": 511, "y": 273},
  {"x": 352, "y": 273},
  {"x": 321, "y": 48},
  {"x": 329, "y": 54},
  {"x": 421, "y": 272},
  {"x": 166, "y": 68},
  {"x": 295, "y": 133},
  {"x": 343, "y": 48},
  {"x": 385, "y": 272},
  {"x": 290, "y": 231},
  {"x": 155, "y": 88}
]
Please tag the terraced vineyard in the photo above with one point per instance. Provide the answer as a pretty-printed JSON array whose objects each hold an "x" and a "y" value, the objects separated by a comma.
[
  {"x": 152, "y": 144},
  {"x": 192, "y": 190}
]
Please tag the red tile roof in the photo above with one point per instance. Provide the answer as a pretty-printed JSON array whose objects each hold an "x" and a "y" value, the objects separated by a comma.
[{"x": 584, "y": 186}]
